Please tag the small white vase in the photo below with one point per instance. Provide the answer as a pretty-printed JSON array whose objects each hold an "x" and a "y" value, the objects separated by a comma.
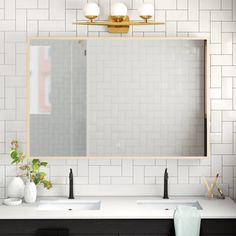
[
  {"x": 30, "y": 192},
  {"x": 16, "y": 187}
]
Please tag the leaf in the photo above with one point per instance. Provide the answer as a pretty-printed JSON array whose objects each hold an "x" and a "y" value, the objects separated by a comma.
[
  {"x": 44, "y": 164},
  {"x": 35, "y": 180},
  {"x": 36, "y": 162},
  {"x": 47, "y": 184},
  {"x": 35, "y": 167},
  {"x": 42, "y": 175},
  {"x": 13, "y": 154},
  {"x": 14, "y": 144},
  {"x": 25, "y": 167},
  {"x": 14, "y": 161}
]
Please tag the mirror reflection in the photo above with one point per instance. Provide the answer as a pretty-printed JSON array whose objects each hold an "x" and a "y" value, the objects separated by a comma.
[{"x": 117, "y": 98}]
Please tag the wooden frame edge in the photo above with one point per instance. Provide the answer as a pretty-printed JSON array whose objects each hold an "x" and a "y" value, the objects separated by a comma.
[{"x": 207, "y": 99}]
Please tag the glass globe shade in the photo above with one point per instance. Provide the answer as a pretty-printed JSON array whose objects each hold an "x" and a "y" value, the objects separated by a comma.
[
  {"x": 118, "y": 9},
  {"x": 146, "y": 9},
  {"x": 91, "y": 9}
]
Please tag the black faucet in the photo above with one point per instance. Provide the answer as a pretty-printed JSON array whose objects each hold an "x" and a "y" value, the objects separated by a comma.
[
  {"x": 71, "y": 186},
  {"x": 165, "y": 196}
]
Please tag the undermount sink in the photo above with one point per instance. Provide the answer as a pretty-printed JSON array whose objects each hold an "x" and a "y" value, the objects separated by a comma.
[
  {"x": 167, "y": 204},
  {"x": 68, "y": 205}
]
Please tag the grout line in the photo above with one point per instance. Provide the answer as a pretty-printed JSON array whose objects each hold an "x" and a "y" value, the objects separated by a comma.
[{"x": 132, "y": 34}]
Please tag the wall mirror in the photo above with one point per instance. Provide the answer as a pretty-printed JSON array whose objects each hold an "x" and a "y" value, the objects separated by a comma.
[{"x": 118, "y": 98}]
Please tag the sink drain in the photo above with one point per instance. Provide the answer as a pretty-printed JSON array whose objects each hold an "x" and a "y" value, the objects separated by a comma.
[{"x": 69, "y": 209}]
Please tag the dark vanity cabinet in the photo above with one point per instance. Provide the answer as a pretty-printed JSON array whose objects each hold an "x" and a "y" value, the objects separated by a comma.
[{"x": 111, "y": 227}]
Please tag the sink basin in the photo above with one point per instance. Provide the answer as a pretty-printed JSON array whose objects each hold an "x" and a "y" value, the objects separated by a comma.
[
  {"x": 68, "y": 205},
  {"x": 167, "y": 204}
]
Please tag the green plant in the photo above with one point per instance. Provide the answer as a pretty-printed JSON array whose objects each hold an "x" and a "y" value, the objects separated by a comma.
[
  {"x": 33, "y": 172},
  {"x": 16, "y": 156}
]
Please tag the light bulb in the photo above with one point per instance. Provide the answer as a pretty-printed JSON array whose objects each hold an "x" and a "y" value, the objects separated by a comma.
[
  {"x": 91, "y": 10},
  {"x": 146, "y": 11},
  {"x": 118, "y": 9}
]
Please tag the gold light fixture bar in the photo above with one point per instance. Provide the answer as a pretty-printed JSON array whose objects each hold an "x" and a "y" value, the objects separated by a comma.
[{"x": 117, "y": 27}]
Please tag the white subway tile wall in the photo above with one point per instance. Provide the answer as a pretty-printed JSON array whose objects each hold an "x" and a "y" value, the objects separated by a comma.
[{"x": 215, "y": 19}]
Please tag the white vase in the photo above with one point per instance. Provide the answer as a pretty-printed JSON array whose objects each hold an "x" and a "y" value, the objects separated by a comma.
[
  {"x": 16, "y": 187},
  {"x": 30, "y": 192}
]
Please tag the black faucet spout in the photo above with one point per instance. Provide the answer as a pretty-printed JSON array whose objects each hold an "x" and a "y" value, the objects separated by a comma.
[
  {"x": 165, "y": 196},
  {"x": 71, "y": 185}
]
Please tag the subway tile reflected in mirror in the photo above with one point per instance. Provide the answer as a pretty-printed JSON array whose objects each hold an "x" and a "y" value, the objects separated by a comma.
[{"x": 118, "y": 98}]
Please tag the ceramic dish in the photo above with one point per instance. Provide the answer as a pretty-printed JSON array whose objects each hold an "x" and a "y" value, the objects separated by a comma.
[{"x": 12, "y": 201}]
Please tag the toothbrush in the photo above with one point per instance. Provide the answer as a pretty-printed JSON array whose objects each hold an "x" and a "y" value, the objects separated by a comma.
[
  {"x": 205, "y": 182},
  {"x": 215, "y": 182}
]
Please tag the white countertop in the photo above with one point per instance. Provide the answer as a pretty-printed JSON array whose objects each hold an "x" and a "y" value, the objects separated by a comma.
[{"x": 119, "y": 208}]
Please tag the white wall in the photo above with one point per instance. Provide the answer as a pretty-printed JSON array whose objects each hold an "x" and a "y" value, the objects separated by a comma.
[{"x": 213, "y": 18}]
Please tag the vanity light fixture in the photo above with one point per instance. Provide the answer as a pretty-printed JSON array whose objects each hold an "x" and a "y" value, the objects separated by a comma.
[
  {"x": 146, "y": 11},
  {"x": 118, "y": 21},
  {"x": 91, "y": 11}
]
